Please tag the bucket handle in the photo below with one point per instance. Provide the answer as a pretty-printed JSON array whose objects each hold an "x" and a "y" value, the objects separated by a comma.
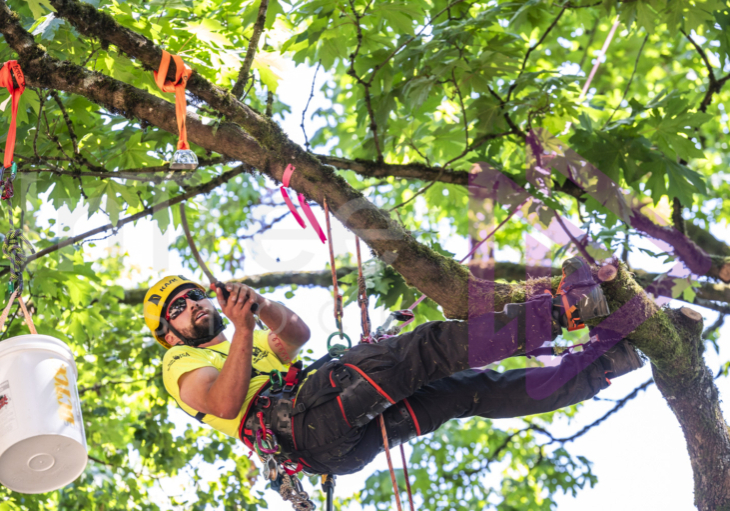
[{"x": 28, "y": 318}]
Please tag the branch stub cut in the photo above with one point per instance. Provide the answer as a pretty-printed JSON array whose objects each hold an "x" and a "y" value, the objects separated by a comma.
[
  {"x": 691, "y": 314},
  {"x": 607, "y": 273}
]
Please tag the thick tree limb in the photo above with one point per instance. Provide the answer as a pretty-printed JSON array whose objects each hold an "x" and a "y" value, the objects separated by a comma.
[
  {"x": 322, "y": 278},
  {"x": 253, "y": 45},
  {"x": 263, "y": 145},
  {"x": 413, "y": 170},
  {"x": 696, "y": 259},
  {"x": 485, "y": 270}
]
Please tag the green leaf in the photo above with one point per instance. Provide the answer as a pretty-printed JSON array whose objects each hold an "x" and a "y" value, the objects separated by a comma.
[
  {"x": 209, "y": 30},
  {"x": 39, "y": 7}
]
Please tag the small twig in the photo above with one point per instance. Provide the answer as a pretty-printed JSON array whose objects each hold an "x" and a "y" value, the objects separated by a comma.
[
  {"x": 419, "y": 192},
  {"x": 533, "y": 48},
  {"x": 590, "y": 41},
  {"x": 91, "y": 54},
  {"x": 67, "y": 119},
  {"x": 619, "y": 404},
  {"x": 425, "y": 158},
  {"x": 677, "y": 219},
  {"x": 463, "y": 110},
  {"x": 306, "y": 107},
  {"x": 710, "y": 329},
  {"x": 577, "y": 243},
  {"x": 42, "y": 98},
  {"x": 626, "y": 90},
  {"x": 410, "y": 40},
  {"x": 264, "y": 227},
  {"x": 253, "y": 44},
  {"x": 366, "y": 84},
  {"x": 150, "y": 210},
  {"x": 95, "y": 387}
]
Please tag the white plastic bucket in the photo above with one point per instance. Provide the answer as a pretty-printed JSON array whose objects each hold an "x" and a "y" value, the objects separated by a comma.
[{"x": 42, "y": 441}]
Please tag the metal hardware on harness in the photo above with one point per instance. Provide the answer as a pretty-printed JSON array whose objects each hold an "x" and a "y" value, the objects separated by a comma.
[
  {"x": 261, "y": 441},
  {"x": 272, "y": 469},
  {"x": 291, "y": 489},
  {"x": 342, "y": 336},
  {"x": 387, "y": 328}
]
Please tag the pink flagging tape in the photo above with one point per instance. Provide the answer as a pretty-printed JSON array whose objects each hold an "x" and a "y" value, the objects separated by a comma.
[
  {"x": 312, "y": 220},
  {"x": 288, "y": 171},
  {"x": 292, "y": 208}
]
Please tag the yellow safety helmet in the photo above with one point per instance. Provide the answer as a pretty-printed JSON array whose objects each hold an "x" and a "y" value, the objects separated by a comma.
[{"x": 156, "y": 299}]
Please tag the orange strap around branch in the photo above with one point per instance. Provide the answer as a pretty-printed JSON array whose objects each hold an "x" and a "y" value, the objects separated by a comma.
[
  {"x": 182, "y": 74},
  {"x": 6, "y": 80}
]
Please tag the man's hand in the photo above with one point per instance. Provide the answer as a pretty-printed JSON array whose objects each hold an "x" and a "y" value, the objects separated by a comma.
[{"x": 237, "y": 307}]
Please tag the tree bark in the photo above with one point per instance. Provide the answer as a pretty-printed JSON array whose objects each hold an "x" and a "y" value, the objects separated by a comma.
[{"x": 695, "y": 401}]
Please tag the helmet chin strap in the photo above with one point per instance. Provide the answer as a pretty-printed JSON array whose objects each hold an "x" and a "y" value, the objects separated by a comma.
[{"x": 194, "y": 343}]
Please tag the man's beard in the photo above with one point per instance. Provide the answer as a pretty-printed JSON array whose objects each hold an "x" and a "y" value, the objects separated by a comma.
[{"x": 205, "y": 328}]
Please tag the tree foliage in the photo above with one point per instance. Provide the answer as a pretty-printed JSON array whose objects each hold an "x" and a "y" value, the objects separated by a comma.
[{"x": 417, "y": 92}]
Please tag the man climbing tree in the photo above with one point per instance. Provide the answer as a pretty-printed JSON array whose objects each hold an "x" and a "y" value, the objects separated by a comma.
[
  {"x": 418, "y": 380},
  {"x": 408, "y": 103}
]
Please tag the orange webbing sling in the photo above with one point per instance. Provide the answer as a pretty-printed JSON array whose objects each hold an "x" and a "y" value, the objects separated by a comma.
[
  {"x": 182, "y": 74},
  {"x": 9, "y": 70}
]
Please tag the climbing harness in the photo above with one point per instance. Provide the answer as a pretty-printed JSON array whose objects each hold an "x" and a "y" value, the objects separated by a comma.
[
  {"x": 288, "y": 171},
  {"x": 184, "y": 158}
]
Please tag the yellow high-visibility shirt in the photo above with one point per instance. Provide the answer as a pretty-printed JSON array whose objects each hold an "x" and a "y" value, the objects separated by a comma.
[{"x": 182, "y": 359}]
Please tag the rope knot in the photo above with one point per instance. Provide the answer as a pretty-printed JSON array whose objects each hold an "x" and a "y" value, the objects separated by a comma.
[{"x": 14, "y": 251}]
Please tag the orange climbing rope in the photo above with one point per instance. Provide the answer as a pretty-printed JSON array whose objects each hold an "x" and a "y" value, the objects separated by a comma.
[
  {"x": 9, "y": 70},
  {"x": 182, "y": 75},
  {"x": 333, "y": 268},
  {"x": 362, "y": 298}
]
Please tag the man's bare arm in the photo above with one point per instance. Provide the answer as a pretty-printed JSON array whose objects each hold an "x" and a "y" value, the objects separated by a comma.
[
  {"x": 287, "y": 326},
  {"x": 223, "y": 393},
  {"x": 290, "y": 331}
]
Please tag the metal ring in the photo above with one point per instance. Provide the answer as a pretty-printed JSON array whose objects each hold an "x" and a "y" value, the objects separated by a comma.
[{"x": 342, "y": 336}]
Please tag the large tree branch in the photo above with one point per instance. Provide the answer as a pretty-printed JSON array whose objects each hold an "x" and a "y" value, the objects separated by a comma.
[
  {"x": 441, "y": 278},
  {"x": 322, "y": 278},
  {"x": 412, "y": 170},
  {"x": 485, "y": 270}
]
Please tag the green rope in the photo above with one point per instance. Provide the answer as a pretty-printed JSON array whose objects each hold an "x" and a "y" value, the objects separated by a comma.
[{"x": 13, "y": 250}]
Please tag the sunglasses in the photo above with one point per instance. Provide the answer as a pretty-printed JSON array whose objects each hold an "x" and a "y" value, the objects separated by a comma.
[{"x": 179, "y": 304}]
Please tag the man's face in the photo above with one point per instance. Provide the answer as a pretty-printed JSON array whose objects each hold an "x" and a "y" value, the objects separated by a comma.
[{"x": 198, "y": 319}]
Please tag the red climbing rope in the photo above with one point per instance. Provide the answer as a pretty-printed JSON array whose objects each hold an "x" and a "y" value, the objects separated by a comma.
[
  {"x": 362, "y": 298},
  {"x": 333, "y": 268},
  {"x": 396, "y": 490}
]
